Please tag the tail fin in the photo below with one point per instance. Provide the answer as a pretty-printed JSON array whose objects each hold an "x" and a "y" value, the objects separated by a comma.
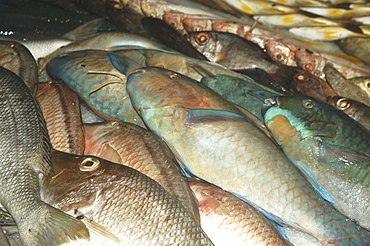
[{"x": 52, "y": 227}]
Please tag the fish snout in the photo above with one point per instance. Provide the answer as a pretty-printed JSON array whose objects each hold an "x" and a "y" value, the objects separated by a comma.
[{"x": 268, "y": 103}]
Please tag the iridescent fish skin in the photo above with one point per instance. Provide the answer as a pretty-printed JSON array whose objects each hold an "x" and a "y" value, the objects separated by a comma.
[
  {"x": 61, "y": 110},
  {"x": 18, "y": 59},
  {"x": 136, "y": 147},
  {"x": 91, "y": 74},
  {"x": 25, "y": 156},
  {"x": 121, "y": 200},
  {"x": 332, "y": 148},
  {"x": 228, "y": 220},
  {"x": 214, "y": 142},
  {"x": 354, "y": 109}
]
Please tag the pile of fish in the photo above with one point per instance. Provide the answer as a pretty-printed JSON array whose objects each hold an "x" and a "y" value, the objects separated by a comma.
[{"x": 195, "y": 123}]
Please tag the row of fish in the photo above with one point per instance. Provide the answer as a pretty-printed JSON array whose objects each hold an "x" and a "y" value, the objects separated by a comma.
[{"x": 207, "y": 122}]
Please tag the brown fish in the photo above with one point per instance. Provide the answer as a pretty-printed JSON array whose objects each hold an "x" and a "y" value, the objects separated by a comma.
[
  {"x": 61, "y": 109},
  {"x": 18, "y": 59},
  {"x": 25, "y": 156},
  {"x": 354, "y": 109},
  {"x": 121, "y": 201},
  {"x": 228, "y": 220},
  {"x": 136, "y": 147}
]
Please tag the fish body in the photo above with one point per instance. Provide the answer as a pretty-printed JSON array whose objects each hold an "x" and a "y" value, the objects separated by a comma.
[
  {"x": 91, "y": 74},
  {"x": 105, "y": 41},
  {"x": 354, "y": 109},
  {"x": 350, "y": 88},
  {"x": 61, "y": 109},
  {"x": 18, "y": 59},
  {"x": 129, "y": 207},
  {"x": 191, "y": 118},
  {"x": 229, "y": 220},
  {"x": 25, "y": 154},
  {"x": 136, "y": 147},
  {"x": 358, "y": 47},
  {"x": 326, "y": 144}
]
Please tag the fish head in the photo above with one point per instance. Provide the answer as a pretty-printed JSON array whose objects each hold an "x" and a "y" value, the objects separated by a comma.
[
  {"x": 310, "y": 62},
  {"x": 363, "y": 83},
  {"x": 77, "y": 179},
  {"x": 155, "y": 87},
  {"x": 296, "y": 118},
  {"x": 206, "y": 43}
]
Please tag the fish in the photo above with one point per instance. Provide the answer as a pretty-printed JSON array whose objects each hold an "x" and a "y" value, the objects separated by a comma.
[
  {"x": 261, "y": 7},
  {"x": 126, "y": 19},
  {"x": 60, "y": 107},
  {"x": 332, "y": 149},
  {"x": 131, "y": 145},
  {"x": 103, "y": 41},
  {"x": 129, "y": 207},
  {"x": 91, "y": 74},
  {"x": 354, "y": 109},
  {"x": 228, "y": 220},
  {"x": 330, "y": 33},
  {"x": 25, "y": 156},
  {"x": 18, "y": 59},
  {"x": 358, "y": 47},
  {"x": 350, "y": 88},
  {"x": 40, "y": 48},
  {"x": 170, "y": 37},
  {"x": 191, "y": 118}
]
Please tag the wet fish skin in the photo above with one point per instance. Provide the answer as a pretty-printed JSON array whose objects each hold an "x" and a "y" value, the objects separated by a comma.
[
  {"x": 93, "y": 77},
  {"x": 123, "y": 201},
  {"x": 61, "y": 109},
  {"x": 228, "y": 220},
  {"x": 18, "y": 59},
  {"x": 356, "y": 110},
  {"x": 191, "y": 119},
  {"x": 325, "y": 143},
  {"x": 346, "y": 87},
  {"x": 25, "y": 155},
  {"x": 131, "y": 145},
  {"x": 358, "y": 47}
]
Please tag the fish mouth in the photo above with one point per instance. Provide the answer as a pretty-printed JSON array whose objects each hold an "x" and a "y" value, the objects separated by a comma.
[{"x": 268, "y": 103}]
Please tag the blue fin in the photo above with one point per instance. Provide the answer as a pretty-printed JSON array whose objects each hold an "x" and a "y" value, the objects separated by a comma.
[
  {"x": 317, "y": 186},
  {"x": 123, "y": 63},
  {"x": 206, "y": 115}
]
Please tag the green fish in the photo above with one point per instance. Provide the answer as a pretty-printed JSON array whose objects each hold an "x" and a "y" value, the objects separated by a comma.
[
  {"x": 332, "y": 149},
  {"x": 214, "y": 141}
]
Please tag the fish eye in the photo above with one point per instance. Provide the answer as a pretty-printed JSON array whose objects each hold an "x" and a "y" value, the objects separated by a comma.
[
  {"x": 174, "y": 76},
  {"x": 279, "y": 57},
  {"x": 308, "y": 104},
  {"x": 152, "y": 14},
  {"x": 368, "y": 85},
  {"x": 12, "y": 45},
  {"x": 202, "y": 38},
  {"x": 173, "y": 24},
  {"x": 89, "y": 164},
  {"x": 343, "y": 104},
  {"x": 307, "y": 66},
  {"x": 300, "y": 77}
]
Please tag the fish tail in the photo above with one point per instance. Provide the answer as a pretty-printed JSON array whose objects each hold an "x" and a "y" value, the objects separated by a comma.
[{"x": 53, "y": 227}]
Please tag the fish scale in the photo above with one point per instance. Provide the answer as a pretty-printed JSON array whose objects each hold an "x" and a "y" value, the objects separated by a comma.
[
  {"x": 244, "y": 160},
  {"x": 25, "y": 153},
  {"x": 327, "y": 145},
  {"x": 80, "y": 70}
]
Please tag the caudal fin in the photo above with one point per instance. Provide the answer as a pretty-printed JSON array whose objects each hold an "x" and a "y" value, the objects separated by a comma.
[{"x": 52, "y": 227}]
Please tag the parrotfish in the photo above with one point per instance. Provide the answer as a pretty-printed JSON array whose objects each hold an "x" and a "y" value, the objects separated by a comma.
[
  {"x": 214, "y": 141},
  {"x": 92, "y": 75},
  {"x": 332, "y": 149}
]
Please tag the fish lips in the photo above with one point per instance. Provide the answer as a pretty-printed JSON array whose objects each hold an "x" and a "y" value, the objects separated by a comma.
[{"x": 269, "y": 103}]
